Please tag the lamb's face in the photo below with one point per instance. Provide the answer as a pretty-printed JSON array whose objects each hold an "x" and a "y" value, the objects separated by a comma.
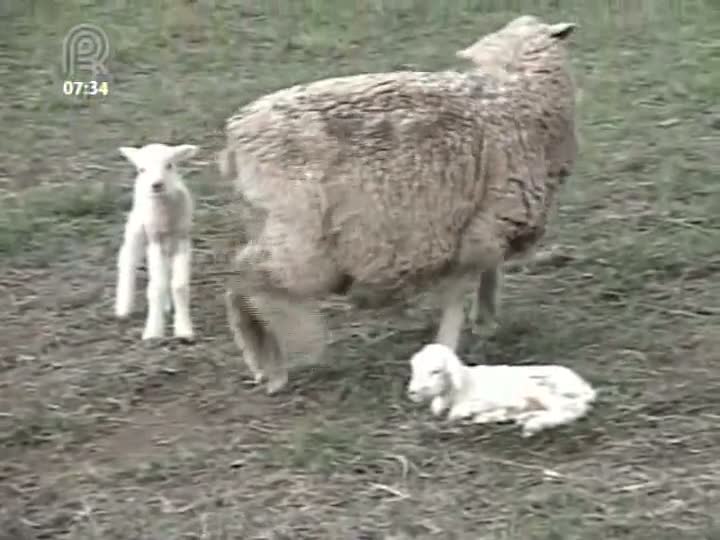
[
  {"x": 504, "y": 49},
  {"x": 429, "y": 376},
  {"x": 156, "y": 167}
]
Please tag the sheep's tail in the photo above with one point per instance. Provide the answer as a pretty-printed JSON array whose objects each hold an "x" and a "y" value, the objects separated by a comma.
[{"x": 227, "y": 163}]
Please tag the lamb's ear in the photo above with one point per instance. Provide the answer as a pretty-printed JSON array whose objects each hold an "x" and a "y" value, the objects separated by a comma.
[
  {"x": 453, "y": 368},
  {"x": 562, "y": 30},
  {"x": 184, "y": 151},
  {"x": 130, "y": 153}
]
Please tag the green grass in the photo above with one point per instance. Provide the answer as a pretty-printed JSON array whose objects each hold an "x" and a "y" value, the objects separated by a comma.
[{"x": 104, "y": 437}]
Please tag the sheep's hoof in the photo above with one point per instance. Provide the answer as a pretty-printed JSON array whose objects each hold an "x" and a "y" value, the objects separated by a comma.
[
  {"x": 485, "y": 329},
  {"x": 187, "y": 339},
  {"x": 276, "y": 383}
]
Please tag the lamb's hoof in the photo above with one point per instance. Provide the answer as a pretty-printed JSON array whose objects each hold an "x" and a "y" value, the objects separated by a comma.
[
  {"x": 184, "y": 335},
  {"x": 122, "y": 313},
  {"x": 152, "y": 336},
  {"x": 531, "y": 428}
]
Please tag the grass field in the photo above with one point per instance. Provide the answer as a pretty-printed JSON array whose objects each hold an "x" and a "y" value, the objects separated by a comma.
[{"x": 104, "y": 437}]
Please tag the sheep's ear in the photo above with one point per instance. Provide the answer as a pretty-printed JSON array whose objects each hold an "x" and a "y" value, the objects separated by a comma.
[
  {"x": 464, "y": 54},
  {"x": 184, "y": 151},
  {"x": 130, "y": 153},
  {"x": 562, "y": 30}
]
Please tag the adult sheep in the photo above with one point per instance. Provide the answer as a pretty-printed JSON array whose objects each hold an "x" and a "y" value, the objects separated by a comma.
[{"x": 397, "y": 183}]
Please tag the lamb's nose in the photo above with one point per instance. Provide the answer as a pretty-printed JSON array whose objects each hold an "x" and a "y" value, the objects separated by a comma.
[{"x": 157, "y": 187}]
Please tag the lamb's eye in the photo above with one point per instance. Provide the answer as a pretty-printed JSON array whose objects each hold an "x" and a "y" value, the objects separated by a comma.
[
  {"x": 141, "y": 170},
  {"x": 168, "y": 166}
]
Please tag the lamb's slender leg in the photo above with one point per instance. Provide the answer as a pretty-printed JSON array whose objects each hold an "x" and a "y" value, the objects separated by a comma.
[
  {"x": 486, "y": 303},
  {"x": 156, "y": 291},
  {"x": 129, "y": 258},
  {"x": 168, "y": 303},
  {"x": 561, "y": 412},
  {"x": 453, "y": 315},
  {"x": 180, "y": 289}
]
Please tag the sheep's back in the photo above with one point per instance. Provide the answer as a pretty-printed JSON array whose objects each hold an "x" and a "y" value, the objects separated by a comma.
[{"x": 388, "y": 164}]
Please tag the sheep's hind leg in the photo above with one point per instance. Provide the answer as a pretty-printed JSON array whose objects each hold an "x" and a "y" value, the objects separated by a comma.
[
  {"x": 253, "y": 331},
  {"x": 486, "y": 303},
  {"x": 236, "y": 307}
]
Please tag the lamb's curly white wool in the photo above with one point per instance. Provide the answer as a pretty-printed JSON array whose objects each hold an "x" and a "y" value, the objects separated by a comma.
[
  {"x": 159, "y": 224},
  {"x": 537, "y": 397}
]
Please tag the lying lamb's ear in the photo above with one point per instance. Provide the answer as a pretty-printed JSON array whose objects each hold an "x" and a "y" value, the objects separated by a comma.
[
  {"x": 130, "y": 153},
  {"x": 452, "y": 367},
  {"x": 562, "y": 30},
  {"x": 184, "y": 151}
]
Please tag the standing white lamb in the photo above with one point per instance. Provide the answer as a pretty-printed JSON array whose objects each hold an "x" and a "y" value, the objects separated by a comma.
[
  {"x": 396, "y": 183},
  {"x": 158, "y": 226},
  {"x": 537, "y": 397}
]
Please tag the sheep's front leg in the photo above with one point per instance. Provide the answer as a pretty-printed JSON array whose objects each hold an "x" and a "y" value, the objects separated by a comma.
[
  {"x": 129, "y": 257},
  {"x": 180, "y": 289},
  {"x": 486, "y": 303},
  {"x": 453, "y": 315},
  {"x": 157, "y": 287}
]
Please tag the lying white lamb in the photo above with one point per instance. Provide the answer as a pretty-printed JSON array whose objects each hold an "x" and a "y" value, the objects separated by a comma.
[
  {"x": 538, "y": 397},
  {"x": 159, "y": 225}
]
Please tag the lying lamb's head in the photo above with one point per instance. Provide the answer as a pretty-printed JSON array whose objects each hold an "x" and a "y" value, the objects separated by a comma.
[
  {"x": 156, "y": 166},
  {"x": 432, "y": 369},
  {"x": 512, "y": 45}
]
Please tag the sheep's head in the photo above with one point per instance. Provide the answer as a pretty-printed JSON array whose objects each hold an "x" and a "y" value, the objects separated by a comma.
[
  {"x": 156, "y": 166},
  {"x": 431, "y": 372},
  {"x": 512, "y": 45}
]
